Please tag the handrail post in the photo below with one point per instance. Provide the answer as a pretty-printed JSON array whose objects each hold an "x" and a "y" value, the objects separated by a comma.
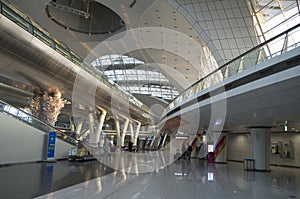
[
  {"x": 30, "y": 26},
  {"x": 285, "y": 44}
]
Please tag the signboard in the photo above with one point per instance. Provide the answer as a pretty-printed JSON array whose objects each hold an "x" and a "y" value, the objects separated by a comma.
[{"x": 51, "y": 145}]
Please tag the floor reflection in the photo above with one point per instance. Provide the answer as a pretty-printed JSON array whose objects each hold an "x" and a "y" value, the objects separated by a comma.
[
  {"x": 182, "y": 179},
  {"x": 35, "y": 179}
]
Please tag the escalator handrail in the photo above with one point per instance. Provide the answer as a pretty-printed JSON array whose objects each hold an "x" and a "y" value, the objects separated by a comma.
[{"x": 59, "y": 133}]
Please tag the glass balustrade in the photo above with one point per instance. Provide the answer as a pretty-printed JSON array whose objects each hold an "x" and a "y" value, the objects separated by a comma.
[{"x": 287, "y": 41}]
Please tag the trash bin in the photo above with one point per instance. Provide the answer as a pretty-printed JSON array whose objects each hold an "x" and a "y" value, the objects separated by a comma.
[
  {"x": 248, "y": 164},
  {"x": 211, "y": 157}
]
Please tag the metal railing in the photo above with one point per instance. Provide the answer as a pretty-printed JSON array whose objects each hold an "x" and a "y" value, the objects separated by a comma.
[
  {"x": 34, "y": 122},
  {"x": 11, "y": 12},
  {"x": 286, "y": 41}
]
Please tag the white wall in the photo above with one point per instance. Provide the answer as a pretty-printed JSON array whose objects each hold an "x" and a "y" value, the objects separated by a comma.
[
  {"x": 20, "y": 142},
  {"x": 239, "y": 147}
]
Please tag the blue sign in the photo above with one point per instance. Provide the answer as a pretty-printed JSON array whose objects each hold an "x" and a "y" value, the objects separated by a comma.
[{"x": 51, "y": 145}]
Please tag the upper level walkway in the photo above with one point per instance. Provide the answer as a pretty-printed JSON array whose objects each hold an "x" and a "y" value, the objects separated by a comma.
[{"x": 258, "y": 88}]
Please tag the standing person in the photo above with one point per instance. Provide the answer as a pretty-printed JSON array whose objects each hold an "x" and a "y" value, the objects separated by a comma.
[
  {"x": 130, "y": 145},
  {"x": 189, "y": 152},
  {"x": 183, "y": 151}
]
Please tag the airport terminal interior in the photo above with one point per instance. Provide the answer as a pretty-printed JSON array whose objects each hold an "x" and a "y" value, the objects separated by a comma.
[{"x": 163, "y": 99}]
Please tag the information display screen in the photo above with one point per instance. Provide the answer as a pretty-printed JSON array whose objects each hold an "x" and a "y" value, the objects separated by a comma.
[{"x": 51, "y": 145}]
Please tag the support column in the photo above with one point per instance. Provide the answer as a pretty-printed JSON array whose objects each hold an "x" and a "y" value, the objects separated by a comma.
[
  {"x": 131, "y": 131},
  {"x": 99, "y": 126},
  {"x": 261, "y": 147},
  {"x": 117, "y": 122},
  {"x": 124, "y": 131},
  {"x": 137, "y": 133},
  {"x": 78, "y": 127},
  {"x": 92, "y": 139}
]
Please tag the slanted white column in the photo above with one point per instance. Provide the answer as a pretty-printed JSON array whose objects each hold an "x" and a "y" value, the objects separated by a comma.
[
  {"x": 92, "y": 140},
  {"x": 261, "y": 147},
  {"x": 137, "y": 133},
  {"x": 100, "y": 125},
  {"x": 131, "y": 131},
  {"x": 126, "y": 122},
  {"x": 117, "y": 122},
  {"x": 78, "y": 127}
]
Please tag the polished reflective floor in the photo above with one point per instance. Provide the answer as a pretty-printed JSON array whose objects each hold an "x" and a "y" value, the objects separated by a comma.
[
  {"x": 189, "y": 180},
  {"x": 36, "y": 179}
]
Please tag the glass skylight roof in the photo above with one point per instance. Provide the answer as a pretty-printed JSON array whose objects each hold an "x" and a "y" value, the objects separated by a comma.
[
  {"x": 134, "y": 76},
  {"x": 272, "y": 17}
]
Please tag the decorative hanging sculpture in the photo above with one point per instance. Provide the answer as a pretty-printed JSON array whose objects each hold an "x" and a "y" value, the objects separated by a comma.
[{"x": 47, "y": 104}]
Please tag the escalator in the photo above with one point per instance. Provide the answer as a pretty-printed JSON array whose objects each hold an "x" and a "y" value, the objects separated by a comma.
[{"x": 24, "y": 137}]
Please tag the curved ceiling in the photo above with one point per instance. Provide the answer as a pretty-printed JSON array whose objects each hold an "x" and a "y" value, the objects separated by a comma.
[
  {"x": 185, "y": 39},
  {"x": 143, "y": 14}
]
